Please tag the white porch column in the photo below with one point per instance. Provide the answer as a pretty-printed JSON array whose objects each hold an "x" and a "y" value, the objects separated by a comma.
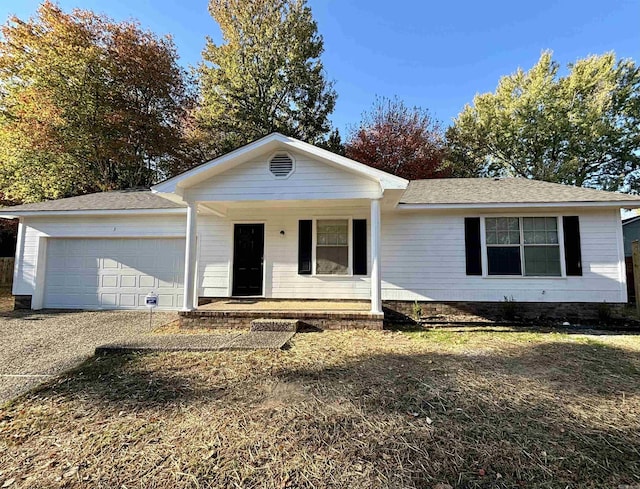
[
  {"x": 190, "y": 258},
  {"x": 376, "y": 287}
]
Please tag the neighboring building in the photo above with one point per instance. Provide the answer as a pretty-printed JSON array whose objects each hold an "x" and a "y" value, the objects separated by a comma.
[
  {"x": 282, "y": 219},
  {"x": 631, "y": 233}
]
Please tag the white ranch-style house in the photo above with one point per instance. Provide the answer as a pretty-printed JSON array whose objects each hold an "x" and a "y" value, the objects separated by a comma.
[{"x": 280, "y": 219}]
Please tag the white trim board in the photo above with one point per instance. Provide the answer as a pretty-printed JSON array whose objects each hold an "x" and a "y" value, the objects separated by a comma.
[
  {"x": 92, "y": 212},
  {"x": 623, "y": 204}
]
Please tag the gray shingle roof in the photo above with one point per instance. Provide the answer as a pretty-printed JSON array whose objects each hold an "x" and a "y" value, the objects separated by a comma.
[
  {"x": 503, "y": 191},
  {"x": 437, "y": 191},
  {"x": 117, "y": 200}
]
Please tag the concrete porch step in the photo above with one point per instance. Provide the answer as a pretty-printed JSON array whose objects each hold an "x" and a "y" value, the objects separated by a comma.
[{"x": 270, "y": 324}]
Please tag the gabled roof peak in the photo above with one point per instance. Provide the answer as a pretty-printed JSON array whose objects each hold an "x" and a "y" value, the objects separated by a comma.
[{"x": 273, "y": 142}]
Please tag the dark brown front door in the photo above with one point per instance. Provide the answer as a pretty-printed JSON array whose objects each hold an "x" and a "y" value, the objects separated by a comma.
[{"x": 248, "y": 256}]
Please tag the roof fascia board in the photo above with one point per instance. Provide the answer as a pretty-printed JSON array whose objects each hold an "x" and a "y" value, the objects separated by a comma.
[
  {"x": 93, "y": 212},
  {"x": 627, "y": 204}
]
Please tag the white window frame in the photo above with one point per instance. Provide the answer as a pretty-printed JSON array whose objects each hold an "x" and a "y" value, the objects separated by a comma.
[
  {"x": 521, "y": 245},
  {"x": 314, "y": 245}
]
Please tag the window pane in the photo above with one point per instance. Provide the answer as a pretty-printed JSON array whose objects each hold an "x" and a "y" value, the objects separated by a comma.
[
  {"x": 540, "y": 223},
  {"x": 332, "y": 250},
  {"x": 332, "y": 260},
  {"x": 504, "y": 260},
  {"x": 333, "y": 226},
  {"x": 540, "y": 230},
  {"x": 502, "y": 230},
  {"x": 539, "y": 237},
  {"x": 542, "y": 260}
]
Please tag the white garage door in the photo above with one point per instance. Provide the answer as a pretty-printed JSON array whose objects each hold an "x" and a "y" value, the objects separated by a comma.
[{"x": 113, "y": 273}]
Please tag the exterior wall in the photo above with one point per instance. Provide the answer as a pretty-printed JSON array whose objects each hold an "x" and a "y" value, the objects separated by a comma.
[
  {"x": 423, "y": 259},
  {"x": 281, "y": 279},
  {"x": 631, "y": 233},
  {"x": 423, "y": 256},
  {"x": 31, "y": 246},
  {"x": 310, "y": 180}
]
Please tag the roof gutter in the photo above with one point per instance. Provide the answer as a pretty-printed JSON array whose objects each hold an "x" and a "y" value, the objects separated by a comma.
[
  {"x": 7, "y": 214},
  {"x": 622, "y": 204}
]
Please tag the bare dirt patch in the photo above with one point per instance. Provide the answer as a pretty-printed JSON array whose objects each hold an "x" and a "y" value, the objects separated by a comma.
[{"x": 475, "y": 409}]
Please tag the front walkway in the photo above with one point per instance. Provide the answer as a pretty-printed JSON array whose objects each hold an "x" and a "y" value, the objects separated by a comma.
[{"x": 252, "y": 340}]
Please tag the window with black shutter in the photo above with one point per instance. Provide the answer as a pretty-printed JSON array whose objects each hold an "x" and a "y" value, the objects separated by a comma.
[{"x": 305, "y": 245}]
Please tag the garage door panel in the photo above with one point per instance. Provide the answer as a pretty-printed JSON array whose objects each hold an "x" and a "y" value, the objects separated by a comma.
[
  {"x": 128, "y": 280},
  {"x": 109, "y": 281},
  {"x": 113, "y": 273}
]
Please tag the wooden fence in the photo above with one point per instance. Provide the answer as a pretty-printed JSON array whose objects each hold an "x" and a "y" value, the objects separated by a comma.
[
  {"x": 6, "y": 271},
  {"x": 631, "y": 289}
]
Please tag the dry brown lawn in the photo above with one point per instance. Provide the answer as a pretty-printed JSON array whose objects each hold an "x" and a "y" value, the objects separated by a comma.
[{"x": 471, "y": 409}]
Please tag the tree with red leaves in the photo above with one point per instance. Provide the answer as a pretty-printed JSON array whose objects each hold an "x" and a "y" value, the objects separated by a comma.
[{"x": 400, "y": 140}]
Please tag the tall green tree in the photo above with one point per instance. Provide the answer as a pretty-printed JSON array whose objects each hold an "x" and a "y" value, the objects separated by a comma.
[
  {"x": 87, "y": 104},
  {"x": 580, "y": 129},
  {"x": 265, "y": 76}
]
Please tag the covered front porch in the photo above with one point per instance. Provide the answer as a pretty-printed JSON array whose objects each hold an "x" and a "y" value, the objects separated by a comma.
[
  {"x": 274, "y": 256},
  {"x": 282, "y": 219}
]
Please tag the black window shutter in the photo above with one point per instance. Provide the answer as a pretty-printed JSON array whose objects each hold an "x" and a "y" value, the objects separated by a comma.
[
  {"x": 472, "y": 245},
  {"x": 304, "y": 247},
  {"x": 359, "y": 246},
  {"x": 572, "y": 252}
]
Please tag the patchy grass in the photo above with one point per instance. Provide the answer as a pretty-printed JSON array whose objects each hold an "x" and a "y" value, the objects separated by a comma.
[{"x": 472, "y": 409}]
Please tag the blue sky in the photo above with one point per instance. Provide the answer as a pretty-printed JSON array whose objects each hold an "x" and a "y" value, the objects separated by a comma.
[{"x": 436, "y": 55}]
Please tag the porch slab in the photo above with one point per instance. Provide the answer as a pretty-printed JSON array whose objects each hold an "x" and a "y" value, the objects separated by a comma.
[
  {"x": 277, "y": 305},
  {"x": 321, "y": 314}
]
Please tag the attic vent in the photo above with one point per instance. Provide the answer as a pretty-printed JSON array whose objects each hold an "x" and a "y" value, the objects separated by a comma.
[{"x": 281, "y": 165}]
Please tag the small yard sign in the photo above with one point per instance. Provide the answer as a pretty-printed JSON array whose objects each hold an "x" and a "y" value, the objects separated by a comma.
[{"x": 151, "y": 300}]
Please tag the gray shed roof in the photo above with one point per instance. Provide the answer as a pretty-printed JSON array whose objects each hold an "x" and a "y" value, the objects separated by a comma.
[
  {"x": 116, "y": 200},
  {"x": 503, "y": 191}
]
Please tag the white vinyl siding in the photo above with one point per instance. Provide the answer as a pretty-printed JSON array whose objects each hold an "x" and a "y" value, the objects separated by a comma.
[
  {"x": 423, "y": 258},
  {"x": 423, "y": 255},
  {"x": 311, "y": 180}
]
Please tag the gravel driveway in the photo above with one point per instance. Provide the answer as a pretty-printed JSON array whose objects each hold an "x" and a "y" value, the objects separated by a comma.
[{"x": 34, "y": 346}]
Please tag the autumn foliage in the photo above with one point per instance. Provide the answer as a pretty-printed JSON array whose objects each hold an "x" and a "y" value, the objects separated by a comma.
[
  {"x": 87, "y": 104},
  {"x": 400, "y": 140}
]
